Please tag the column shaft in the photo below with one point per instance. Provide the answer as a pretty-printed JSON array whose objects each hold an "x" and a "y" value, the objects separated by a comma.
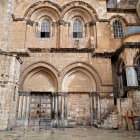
[
  {"x": 95, "y": 111},
  {"x": 27, "y": 108},
  {"x": 99, "y": 108},
  {"x": 62, "y": 108},
  {"x": 91, "y": 107},
  {"x": 24, "y": 107},
  {"x": 53, "y": 102},
  {"x": 19, "y": 107},
  {"x": 65, "y": 107},
  {"x": 56, "y": 114}
]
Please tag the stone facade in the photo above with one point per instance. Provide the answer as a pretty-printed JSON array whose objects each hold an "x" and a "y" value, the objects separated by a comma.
[{"x": 82, "y": 75}]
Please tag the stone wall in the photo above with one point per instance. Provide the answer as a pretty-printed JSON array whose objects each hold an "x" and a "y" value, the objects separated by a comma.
[
  {"x": 9, "y": 78},
  {"x": 5, "y": 19},
  {"x": 79, "y": 109}
]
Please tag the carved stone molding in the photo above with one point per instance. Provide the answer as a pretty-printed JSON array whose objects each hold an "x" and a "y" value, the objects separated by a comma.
[
  {"x": 132, "y": 88},
  {"x": 29, "y": 22},
  {"x": 61, "y": 22}
]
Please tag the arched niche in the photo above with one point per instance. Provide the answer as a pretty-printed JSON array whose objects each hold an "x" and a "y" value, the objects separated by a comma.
[
  {"x": 39, "y": 75},
  {"x": 78, "y": 80}
]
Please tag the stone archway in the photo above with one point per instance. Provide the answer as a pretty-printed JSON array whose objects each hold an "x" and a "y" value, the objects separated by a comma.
[
  {"x": 79, "y": 82},
  {"x": 38, "y": 82}
]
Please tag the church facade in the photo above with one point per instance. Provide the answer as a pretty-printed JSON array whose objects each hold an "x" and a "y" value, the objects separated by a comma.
[{"x": 74, "y": 62}]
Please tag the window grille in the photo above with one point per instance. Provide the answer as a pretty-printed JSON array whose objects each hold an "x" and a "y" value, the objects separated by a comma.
[
  {"x": 77, "y": 29},
  {"x": 124, "y": 80},
  {"x": 45, "y": 29},
  {"x": 138, "y": 71},
  {"x": 117, "y": 29}
]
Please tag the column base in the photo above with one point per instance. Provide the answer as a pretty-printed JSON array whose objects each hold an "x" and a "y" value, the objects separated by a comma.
[
  {"x": 91, "y": 122},
  {"x": 95, "y": 121}
]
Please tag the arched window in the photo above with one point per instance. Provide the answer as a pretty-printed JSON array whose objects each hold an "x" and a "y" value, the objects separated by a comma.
[
  {"x": 77, "y": 29},
  {"x": 124, "y": 80},
  {"x": 138, "y": 71},
  {"x": 117, "y": 29},
  {"x": 45, "y": 29}
]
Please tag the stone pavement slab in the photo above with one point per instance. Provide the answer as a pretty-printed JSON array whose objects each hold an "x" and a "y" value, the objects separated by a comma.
[{"x": 77, "y": 133}]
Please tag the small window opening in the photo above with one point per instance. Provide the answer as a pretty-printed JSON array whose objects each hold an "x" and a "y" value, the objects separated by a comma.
[
  {"x": 45, "y": 29},
  {"x": 77, "y": 29},
  {"x": 117, "y": 29}
]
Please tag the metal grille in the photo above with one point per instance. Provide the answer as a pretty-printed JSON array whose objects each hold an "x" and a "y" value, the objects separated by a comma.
[
  {"x": 138, "y": 71},
  {"x": 77, "y": 29},
  {"x": 117, "y": 29},
  {"x": 45, "y": 29}
]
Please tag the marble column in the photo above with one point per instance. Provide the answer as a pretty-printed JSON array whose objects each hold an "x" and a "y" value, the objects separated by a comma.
[
  {"x": 131, "y": 76},
  {"x": 20, "y": 106},
  {"x": 62, "y": 106},
  {"x": 59, "y": 108},
  {"x": 27, "y": 108},
  {"x": 53, "y": 102},
  {"x": 91, "y": 107},
  {"x": 99, "y": 107},
  {"x": 65, "y": 106},
  {"x": 24, "y": 106},
  {"x": 95, "y": 108},
  {"x": 56, "y": 114}
]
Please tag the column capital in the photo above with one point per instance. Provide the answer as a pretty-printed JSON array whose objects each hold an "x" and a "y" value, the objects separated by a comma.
[
  {"x": 135, "y": 66},
  {"x": 24, "y": 93},
  {"x": 60, "y": 93},
  {"x": 61, "y": 22}
]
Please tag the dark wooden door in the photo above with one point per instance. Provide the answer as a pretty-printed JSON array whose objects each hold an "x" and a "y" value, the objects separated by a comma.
[{"x": 40, "y": 107}]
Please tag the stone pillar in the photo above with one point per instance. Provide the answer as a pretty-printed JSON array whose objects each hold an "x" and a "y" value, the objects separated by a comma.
[
  {"x": 95, "y": 108},
  {"x": 24, "y": 106},
  {"x": 56, "y": 114},
  {"x": 65, "y": 106},
  {"x": 28, "y": 105},
  {"x": 91, "y": 107},
  {"x": 20, "y": 106},
  {"x": 99, "y": 107},
  {"x": 61, "y": 23},
  {"x": 131, "y": 76},
  {"x": 59, "y": 108},
  {"x": 62, "y": 106},
  {"x": 53, "y": 103}
]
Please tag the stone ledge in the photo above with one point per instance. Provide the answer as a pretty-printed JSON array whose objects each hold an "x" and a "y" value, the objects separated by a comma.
[{"x": 132, "y": 88}]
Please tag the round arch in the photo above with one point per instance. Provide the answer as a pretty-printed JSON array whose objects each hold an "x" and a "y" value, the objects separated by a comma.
[{"x": 34, "y": 72}]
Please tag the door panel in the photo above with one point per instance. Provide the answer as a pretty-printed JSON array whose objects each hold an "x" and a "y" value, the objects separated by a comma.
[{"x": 40, "y": 107}]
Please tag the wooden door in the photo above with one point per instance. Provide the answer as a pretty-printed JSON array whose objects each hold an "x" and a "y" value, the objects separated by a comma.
[{"x": 40, "y": 107}]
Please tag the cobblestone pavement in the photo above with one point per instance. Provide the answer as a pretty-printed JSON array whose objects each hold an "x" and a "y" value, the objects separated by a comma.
[{"x": 77, "y": 133}]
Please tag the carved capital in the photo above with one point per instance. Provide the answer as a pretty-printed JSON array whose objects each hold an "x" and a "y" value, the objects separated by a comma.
[
  {"x": 92, "y": 23},
  {"x": 61, "y": 22},
  {"x": 29, "y": 22}
]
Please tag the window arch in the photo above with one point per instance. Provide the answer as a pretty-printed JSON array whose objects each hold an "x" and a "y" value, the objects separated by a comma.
[
  {"x": 45, "y": 29},
  {"x": 77, "y": 29},
  {"x": 124, "y": 80},
  {"x": 117, "y": 29},
  {"x": 138, "y": 71}
]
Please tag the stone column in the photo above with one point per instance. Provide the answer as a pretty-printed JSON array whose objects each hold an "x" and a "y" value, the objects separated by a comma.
[
  {"x": 95, "y": 108},
  {"x": 56, "y": 114},
  {"x": 99, "y": 107},
  {"x": 66, "y": 108},
  {"x": 53, "y": 102},
  {"x": 24, "y": 106},
  {"x": 131, "y": 76},
  {"x": 59, "y": 108},
  {"x": 61, "y": 23},
  {"x": 91, "y": 107},
  {"x": 20, "y": 106},
  {"x": 28, "y": 105},
  {"x": 62, "y": 106}
]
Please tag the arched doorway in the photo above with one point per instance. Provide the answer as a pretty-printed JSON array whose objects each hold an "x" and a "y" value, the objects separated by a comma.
[
  {"x": 79, "y": 83},
  {"x": 37, "y": 84}
]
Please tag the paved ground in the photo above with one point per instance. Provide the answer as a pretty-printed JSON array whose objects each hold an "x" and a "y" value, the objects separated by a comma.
[{"x": 78, "y": 133}]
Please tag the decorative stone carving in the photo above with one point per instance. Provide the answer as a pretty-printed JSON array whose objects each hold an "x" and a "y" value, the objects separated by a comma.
[
  {"x": 29, "y": 22},
  {"x": 61, "y": 22}
]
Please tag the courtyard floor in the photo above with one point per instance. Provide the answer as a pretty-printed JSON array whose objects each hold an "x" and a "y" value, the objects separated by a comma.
[{"x": 77, "y": 133}]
